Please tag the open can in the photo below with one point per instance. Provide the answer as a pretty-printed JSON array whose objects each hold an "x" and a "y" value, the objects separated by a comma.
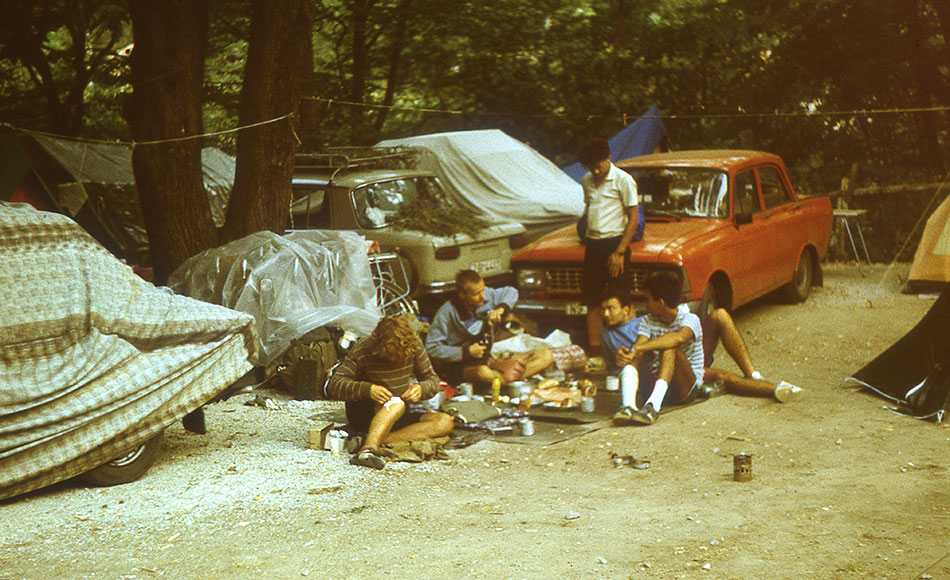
[
  {"x": 526, "y": 426},
  {"x": 742, "y": 467}
]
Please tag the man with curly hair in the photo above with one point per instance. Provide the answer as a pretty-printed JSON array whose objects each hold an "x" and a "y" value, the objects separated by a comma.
[{"x": 381, "y": 375}]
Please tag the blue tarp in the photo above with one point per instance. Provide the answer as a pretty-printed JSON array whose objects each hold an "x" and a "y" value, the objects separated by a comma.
[{"x": 638, "y": 138}]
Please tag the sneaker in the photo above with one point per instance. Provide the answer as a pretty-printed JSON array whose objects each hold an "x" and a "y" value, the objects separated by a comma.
[
  {"x": 624, "y": 416},
  {"x": 645, "y": 416},
  {"x": 368, "y": 458},
  {"x": 787, "y": 392}
]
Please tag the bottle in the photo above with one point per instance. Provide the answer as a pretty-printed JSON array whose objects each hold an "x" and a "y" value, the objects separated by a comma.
[{"x": 495, "y": 390}]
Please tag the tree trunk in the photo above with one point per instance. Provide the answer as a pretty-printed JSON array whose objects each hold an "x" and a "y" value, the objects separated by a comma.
[
  {"x": 167, "y": 73},
  {"x": 277, "y": 59},
  {"x": 360, "y": 44},
  {"x": 403, "y": 13}
]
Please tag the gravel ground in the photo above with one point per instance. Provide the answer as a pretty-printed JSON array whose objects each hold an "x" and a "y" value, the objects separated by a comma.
[{"x": 842, "y": 488}]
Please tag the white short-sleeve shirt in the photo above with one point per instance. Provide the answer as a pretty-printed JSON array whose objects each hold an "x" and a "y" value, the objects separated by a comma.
[{"x": 606, "y": 217}]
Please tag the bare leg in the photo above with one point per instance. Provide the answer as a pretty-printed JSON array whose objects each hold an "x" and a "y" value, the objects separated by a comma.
[
  {"x": 675, "y": 370},
  {"x": 739, "y": 385},
  {"x": 384, "y": 419},
  {"x": 594, "y": 324},
  {"x": 720, "y": 326},
  {"x": 481, "y": 375},
  {"x": 430, "y": 425}
]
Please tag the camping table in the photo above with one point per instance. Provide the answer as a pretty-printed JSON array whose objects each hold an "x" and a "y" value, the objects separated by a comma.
[{"x": 845, "y": 215}]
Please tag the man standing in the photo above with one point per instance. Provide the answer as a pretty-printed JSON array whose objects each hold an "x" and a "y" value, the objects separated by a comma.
[
  {"x": 376, "y": 381},
  {"x": 453, "y": 341},
  {"x": 613, "y": 222}
]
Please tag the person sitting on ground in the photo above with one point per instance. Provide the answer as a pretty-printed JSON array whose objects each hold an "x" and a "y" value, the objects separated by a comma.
[
  {"x": 620, "y": 330},
  {"x": 376, "y": 381},
  {"x": 454, "y": 343},
  {"x": 674, "y": 340}
]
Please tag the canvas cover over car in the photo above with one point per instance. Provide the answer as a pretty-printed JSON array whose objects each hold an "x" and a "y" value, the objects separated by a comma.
[
  {"x": 94, "y": 361},
  {"x": 496, "y": 175}
]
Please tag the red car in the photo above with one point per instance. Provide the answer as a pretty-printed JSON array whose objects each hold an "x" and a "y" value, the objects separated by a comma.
[{"x": 727, "y": 222}]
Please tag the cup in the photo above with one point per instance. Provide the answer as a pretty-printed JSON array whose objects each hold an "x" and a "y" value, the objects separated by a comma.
[
  {"x": 466, "y": 389},
  {"x": 613, "y": 383},
  {"x": 587, "y": 404}
]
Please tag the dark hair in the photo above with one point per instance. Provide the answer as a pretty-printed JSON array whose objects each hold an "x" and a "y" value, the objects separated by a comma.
[
  {"x": 593, "y": 151},
  {"x": 665, "y": 286},
  {"x": 620, "y": 294},
  {"x": 466, "y": 277}
]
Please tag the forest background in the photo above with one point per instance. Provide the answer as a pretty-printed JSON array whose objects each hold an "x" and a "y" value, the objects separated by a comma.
[{"x": 849, "y": 92}]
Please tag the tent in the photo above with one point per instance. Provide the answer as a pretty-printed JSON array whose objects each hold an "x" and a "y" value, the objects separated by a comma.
[
  {"x": 915, "y": 371},
  {"x": 931, "y": 266},
  {"x": 641, "y": 137},
  {"x": 93, "y": 183},
  {"x": 491, "y": 173}
]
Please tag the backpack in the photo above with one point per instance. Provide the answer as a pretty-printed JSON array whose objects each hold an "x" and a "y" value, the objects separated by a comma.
[{"x": 305, "y": 367}]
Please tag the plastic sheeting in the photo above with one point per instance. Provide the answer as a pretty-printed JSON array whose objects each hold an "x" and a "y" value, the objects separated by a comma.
[
  {"x": 291, "y": 284},
  {"x": 638, "y": 138},
  {"x": 499, "y": 176}
]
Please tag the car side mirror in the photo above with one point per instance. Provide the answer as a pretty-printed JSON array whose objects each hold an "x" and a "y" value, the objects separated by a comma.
[{"x": 743, "y": 218}]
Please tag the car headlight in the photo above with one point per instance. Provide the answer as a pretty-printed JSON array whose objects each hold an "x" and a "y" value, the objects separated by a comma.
[{"x": 529, "y": 279}]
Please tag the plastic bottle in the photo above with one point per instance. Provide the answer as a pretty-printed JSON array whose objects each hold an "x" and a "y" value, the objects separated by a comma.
[{"x": 495, "y": 390}]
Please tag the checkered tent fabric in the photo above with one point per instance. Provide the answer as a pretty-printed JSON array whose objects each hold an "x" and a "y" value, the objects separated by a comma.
[{"x": 94, "y": 361}]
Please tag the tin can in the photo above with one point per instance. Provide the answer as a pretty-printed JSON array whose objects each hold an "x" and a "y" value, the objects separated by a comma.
[
  {"x": 587, "y": 404},
  {"x": 742, "y": 467},
  {"x": 613, "y": 383},
  {"x": 336, "y": 442},
  {"x": 526, "y": 426},
  {"x": 466, "y": 389}
]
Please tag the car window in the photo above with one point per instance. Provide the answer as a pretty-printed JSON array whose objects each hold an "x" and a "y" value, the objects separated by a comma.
[
  {"x": 774, "y": 193},
  {"x": 747, "y": 201},
  {"x": 679, "y": 191},
  {"x": 309, "y": 209},
  {"x": 378, "y": 204}
]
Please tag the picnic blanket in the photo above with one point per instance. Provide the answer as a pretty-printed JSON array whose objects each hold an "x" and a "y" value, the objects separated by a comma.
[{"x": 94, "y": 361}]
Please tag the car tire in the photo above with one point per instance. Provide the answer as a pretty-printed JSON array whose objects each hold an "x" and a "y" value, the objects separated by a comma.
[
  {"x": 799, "y": 287},
  {"x": 710, "y": 300},
  {"x": 127, "y": 468}
]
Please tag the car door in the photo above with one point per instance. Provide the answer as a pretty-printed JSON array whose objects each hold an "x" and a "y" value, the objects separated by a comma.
[
  {"x": 784, "y": 228},
  {"x": 752, "y": 232}
]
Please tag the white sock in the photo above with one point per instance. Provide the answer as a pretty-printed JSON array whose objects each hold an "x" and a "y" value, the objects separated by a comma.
[
  {"x": 659, "y": 391},
  {"x": 629, "y": 382},
  {"x": 756, "y": 375}
]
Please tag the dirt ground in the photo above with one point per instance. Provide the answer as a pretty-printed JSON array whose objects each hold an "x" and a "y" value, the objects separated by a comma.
[{"x": 842, "y": 488}]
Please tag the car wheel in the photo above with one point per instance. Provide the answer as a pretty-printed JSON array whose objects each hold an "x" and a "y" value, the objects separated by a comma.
[
  {"x": 797, "y": 290},
  {"x": 129, "y": 467},
  {"x": 710, "y": 300}
]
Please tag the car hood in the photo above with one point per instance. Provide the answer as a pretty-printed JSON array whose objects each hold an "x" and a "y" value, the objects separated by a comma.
[
  {"x": 392, "y": 236},
  {"x": 662, "y": 241}
]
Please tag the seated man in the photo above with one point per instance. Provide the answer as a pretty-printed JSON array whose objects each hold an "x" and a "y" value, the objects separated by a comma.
[
  {"x": 674, "y": 339},
  {"x": 620, "y": 330},
  {"x": 454, "y": 343},
  {"x": 375, "y": 380}
]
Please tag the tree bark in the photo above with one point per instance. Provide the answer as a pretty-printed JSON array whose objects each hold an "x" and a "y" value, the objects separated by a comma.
[
  {"x": 403, "y": 13},
  {"x": 276, "y": 62},
  {"x": 167, "y": 73}
]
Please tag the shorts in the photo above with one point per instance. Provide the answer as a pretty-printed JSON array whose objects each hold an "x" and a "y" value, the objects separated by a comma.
[
  {"x": 647, "y": 381},
  {"x": 359, "y": 414},
  {"x": 596, "y": 274}
]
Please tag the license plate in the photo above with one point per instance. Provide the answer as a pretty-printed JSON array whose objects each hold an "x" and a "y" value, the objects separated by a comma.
[
  {"x": 484, "y": 267},
  {"x": 576, "y": 309}
]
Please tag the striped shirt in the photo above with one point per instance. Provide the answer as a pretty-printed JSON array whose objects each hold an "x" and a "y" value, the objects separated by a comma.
[
  {"x": 362, "y": 368},
  {"x": 651, "y": 328}
]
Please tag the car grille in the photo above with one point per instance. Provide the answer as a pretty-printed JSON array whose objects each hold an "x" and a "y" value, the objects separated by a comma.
[{"x": 570, "y": 279}]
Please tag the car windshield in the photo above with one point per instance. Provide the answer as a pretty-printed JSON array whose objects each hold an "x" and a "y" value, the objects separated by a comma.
[
  {"x": 379, "y": 204},
  {"x": 682, "y": 191}
]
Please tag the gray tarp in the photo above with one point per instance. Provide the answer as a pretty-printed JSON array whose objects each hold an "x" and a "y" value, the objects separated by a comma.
[
  {"x": 492, "y": 173},
  {"x": 291, "y": 284},
  {"x": 94, "y": 361}
]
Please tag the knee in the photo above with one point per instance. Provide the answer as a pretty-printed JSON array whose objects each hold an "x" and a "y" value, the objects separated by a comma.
[
  {"x": 544, "y": 356},
  {"x": 395, "y": 407},
  {"x": 721, "y": 317},
  {"x": 443, "y": 424},
  {"x": 485, "y": 374}
]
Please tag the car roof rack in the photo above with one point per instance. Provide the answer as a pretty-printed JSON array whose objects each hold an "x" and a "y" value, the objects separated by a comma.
[{"x": 341, "y": 159}]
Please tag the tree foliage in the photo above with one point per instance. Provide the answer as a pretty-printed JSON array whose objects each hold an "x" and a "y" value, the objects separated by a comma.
[{"x": 826, "y": 83}]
